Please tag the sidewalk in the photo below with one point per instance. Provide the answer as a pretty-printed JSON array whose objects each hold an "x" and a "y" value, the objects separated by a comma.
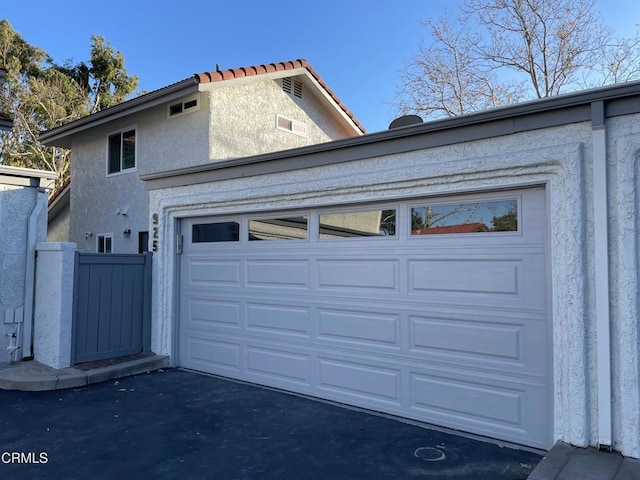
[
  {"x": 34, "y": 376},
  {"x": 565, "y": 462}
]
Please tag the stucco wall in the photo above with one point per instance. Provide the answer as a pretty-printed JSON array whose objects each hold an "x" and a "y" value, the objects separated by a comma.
[
  {"x": 16, "y": 206},
  {"x": 58, "y": 227},
  {"x": 230, "y": 122},
  {"x": 624, "y": 213},
  {"x": 97, "y": 200},
  {"x": 561, "y": 159},
  {"x": 243, "y": 120}
]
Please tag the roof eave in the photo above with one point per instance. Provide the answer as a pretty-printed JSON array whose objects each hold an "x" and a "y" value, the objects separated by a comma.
[
  {"x": 61, "y": 136},
  {"x": 621, "y": 99},
  {"x": 322, "y": 90},
  {"x": 59, "y": 202}
]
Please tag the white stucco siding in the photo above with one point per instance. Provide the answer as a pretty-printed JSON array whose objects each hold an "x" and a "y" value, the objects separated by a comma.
[
  {"x": 228, "y": 123},
  {"x": 96, "y": 198},
  {"x": 16, "y": 207},
  {"x": 58, "y": 227},
  {"x": 169, "y": 143},
  {"x": 624, "y": 213},
  {"x": 161, "y": 143},
  {"x": 243, "y": 120},
  {"x": 558, "y": 157}
]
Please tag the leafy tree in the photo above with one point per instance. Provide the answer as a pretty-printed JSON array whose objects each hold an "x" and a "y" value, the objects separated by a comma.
[
  {"x": 497, "y": 52},
  {"x": 41, "y": 95},
  {"x": 104, "y": 80},
  {"x": 507, "y": 222}
]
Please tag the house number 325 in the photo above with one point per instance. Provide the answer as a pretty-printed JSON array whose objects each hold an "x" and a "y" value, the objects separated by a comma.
[{"x": 154, "y": 243}]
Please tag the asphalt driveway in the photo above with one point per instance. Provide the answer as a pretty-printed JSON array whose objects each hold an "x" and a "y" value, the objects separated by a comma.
[{"x": 179, "y": 424}]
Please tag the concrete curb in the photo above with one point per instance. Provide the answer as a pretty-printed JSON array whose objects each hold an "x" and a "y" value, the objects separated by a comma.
[{"x": 35, "y": 377}]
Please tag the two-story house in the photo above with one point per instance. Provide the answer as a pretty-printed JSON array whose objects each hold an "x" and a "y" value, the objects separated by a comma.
[{"x": 209, "y": 117}]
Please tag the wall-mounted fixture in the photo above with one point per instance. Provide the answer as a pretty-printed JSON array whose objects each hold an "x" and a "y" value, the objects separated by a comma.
[
  {"x": 123, "y": 211},
  {"x": 127, "y": 233},
  {"x": 87, "y": 235}
]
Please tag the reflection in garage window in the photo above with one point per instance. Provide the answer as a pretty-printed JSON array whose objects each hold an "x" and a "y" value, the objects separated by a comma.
[
  {"x": 285, "y": 228},
  {"x": 479, "y": 217},
  {"x": 215, "y": 232},
  {"x": 371, "y": 223}
]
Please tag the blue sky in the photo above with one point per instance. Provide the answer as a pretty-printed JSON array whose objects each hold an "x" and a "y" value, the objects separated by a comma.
[{"x": 356, "y": 46}]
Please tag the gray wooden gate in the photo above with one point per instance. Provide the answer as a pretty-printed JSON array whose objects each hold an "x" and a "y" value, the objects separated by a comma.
[{"x": 112, "y": 306}]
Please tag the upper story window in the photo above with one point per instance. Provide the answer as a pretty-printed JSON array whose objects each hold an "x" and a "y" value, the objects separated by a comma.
[
  {"x": 185, "y": 106},
  {"x": 121, "y": 154}
]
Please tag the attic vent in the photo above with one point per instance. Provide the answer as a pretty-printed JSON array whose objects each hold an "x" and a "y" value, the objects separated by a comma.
[
  {"x": 290, "y": 125},
  {"x": 292, "y": 87},
  {"x": 297, "y": 89},
  {"x": 186, "y": 106}
]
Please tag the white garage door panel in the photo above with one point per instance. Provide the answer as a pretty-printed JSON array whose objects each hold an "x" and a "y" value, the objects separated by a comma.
[
  {"x": 208, "y": 353},
  {"x": 206, "y": 312},
  {"x": 285, "y": 319},
  {"x": 278, "y": 364},
  {"x": 348, "y": 274},
  {"x": 278, "y": 273},
  {"x": 206, "y": 273},
  {"x": 446, "y": 329},
  {"x": 499, "y": 342},
  {"x": 359, "y": 327},
  {"x": 462, "y": 276},
  {"x": 501, "y": 408},
  {"x": 370, "y": 385}
]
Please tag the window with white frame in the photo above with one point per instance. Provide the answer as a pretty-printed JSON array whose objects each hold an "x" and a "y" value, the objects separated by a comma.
[
  {"x": 183, "y": 107},
  {"x": 121, "y": 151},
  {"x": 105, "y": 243},
  {"x": 290, "y": 125}
]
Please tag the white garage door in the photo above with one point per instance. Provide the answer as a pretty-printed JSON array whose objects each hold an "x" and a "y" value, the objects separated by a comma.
[{"x": 432, "y": 309}]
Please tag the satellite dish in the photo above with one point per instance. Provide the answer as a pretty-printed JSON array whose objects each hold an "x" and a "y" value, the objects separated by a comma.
[{"x": 404, "y": 121}]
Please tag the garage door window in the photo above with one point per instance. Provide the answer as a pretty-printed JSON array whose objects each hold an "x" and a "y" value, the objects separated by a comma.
[
  {"x": 215, "y": 232},
  {"x": 462, "y": 218},
  {"x": 370, "y": 223},
  {"x": 279, "y": 228}
]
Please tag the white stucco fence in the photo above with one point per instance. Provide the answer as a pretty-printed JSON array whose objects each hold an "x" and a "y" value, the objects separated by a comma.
[{"x": 52, "y": 334}]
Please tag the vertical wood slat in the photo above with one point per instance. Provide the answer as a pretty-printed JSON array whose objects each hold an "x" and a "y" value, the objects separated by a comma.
[{"x": 112, "y": 304}]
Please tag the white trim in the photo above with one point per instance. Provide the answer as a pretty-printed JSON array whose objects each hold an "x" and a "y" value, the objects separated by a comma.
[
  {"x": 303, "y": 128},
  {"x": 184, "y": 110},
  {"x": 601, "y": 261},
  {"x": 127, "y": 170},
  {"x": 104, "y": 236}
]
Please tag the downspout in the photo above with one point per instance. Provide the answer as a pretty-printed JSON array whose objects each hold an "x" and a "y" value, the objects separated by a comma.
[
  {"x": 601, "y": 247},
  {"x": 30, "y": 274}
]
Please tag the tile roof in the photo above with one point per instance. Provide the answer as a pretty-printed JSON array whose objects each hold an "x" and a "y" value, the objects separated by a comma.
[
  {"x": 250, "y": 71},
  {"x": 460, "y": 228},
  {"x": 58, "y": 191}
]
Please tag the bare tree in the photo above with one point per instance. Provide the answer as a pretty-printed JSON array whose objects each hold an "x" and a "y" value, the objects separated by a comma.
[
  {"x": 498, "y": 52},
  {"x": 618, "y": 62},
  {"x": 448, "y": 78}
]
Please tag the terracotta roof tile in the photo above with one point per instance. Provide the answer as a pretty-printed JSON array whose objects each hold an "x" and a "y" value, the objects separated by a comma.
[
  {"x": 210, "y": 77},
  {"x": 460, "y": 228},
  {"x": 58, "y": 191},
  {"x": 221, "y": 75}
]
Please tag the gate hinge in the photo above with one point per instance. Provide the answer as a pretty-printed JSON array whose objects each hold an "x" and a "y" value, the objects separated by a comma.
[{"x": 179, "y": 239}]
